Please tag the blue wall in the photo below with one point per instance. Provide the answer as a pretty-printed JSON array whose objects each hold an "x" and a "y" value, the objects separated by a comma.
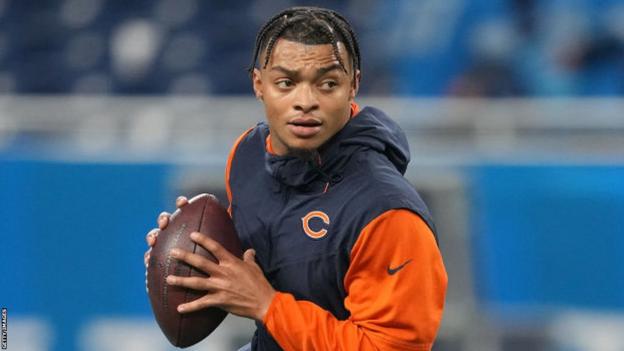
[
  {"x": 72, "y": 239},
  {"x": 549, "y": 236}
]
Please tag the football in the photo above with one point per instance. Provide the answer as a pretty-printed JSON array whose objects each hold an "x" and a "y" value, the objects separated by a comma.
[{"x": 203, "y": 214}]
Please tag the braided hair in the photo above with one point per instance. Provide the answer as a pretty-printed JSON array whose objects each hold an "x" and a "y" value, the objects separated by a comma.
[{"x": 308, "y": 25}]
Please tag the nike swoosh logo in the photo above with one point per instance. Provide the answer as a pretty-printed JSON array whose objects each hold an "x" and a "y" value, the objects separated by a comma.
[{"x": 392, "y": 271}]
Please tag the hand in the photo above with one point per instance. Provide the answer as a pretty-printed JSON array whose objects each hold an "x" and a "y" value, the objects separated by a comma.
[
  {"x": 150, "y": 238},
  {"x": 235, "y": 285}
]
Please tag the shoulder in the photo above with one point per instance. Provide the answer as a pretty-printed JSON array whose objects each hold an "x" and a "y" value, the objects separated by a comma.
[
  {"x": 382, "y": 181},
  {"x": 255, "y": 134},
  {"x": 377, "y": 188},
  {"x": 250, "y": 141}
]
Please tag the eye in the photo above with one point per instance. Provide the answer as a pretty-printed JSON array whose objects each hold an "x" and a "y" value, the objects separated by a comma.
[
  {"x": 328, "y": 84},
  {"x": 284, "y": 83}
]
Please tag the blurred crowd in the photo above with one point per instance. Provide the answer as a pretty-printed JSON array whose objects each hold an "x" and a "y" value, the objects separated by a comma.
[{"x": 488, "y": 48}]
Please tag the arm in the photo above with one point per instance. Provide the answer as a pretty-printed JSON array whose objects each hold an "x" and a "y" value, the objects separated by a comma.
[{"x": 395, "y": 285}]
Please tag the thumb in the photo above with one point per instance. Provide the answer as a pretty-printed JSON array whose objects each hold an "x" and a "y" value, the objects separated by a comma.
[{"x": 249, "y": 256}]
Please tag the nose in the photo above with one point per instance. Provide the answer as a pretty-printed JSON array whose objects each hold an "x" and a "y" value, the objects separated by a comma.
[{"x": 306, "y": 99}]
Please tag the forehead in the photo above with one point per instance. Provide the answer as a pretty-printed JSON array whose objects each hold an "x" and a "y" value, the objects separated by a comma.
[{"x": 294, "y": 55}]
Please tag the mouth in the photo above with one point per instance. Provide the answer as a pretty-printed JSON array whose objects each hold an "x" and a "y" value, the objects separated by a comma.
[{"x": 303, "y": 127}]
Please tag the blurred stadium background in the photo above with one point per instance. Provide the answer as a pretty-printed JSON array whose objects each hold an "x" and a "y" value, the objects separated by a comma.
[{"x": 513, "y": 108}]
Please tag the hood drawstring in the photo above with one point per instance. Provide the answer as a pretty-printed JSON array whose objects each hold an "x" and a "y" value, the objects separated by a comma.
[{"x": 326, "y": 177}]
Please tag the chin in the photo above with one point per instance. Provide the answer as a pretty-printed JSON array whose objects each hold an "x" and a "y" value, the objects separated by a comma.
[
  {"x": 305, "y": 144},
  {"x": 305, "y": 150},
  {"x": 304, "y": 154}
]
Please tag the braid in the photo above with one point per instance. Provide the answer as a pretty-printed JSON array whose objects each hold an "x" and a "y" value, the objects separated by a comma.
[
  {"x": 259, "y": 37},
  {"x": 351, "y": 40},
  {"x": 273, "y": 40},
  {"x": 308, "y": 25},
  {"x": 330, "y": 34}
]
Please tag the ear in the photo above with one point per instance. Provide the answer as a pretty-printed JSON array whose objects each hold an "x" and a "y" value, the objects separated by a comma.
[
  {"x": 256, "y": 79},
  {"x": 355, "y": 86}
]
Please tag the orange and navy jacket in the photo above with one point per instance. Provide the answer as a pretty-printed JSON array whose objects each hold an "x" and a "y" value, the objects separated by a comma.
[{"x": 343, "y": 237}]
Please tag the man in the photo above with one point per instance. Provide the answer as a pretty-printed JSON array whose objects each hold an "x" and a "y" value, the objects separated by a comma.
[{"x": 342, "y": 253}]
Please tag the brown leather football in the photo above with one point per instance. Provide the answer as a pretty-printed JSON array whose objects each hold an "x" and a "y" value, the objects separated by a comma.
[{"x": 202, "y": 214}]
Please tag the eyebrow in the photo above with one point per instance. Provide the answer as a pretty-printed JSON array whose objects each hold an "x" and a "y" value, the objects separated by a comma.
[{"x": 319, "y": 72}]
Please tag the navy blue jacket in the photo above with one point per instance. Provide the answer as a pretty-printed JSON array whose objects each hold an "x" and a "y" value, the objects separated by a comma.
[{"x": 359, "y": 176}]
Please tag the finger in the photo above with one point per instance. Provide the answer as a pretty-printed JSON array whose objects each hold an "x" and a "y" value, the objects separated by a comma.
[
  {"x": 181, "y": 201},
  {"x": 211, "y": 245},
  {"x": 250, "y": 256},
  {"x": 163, "y": 219},
  {"x": 195, "y": 283},
  {"x": 199, "y": 304},
  {"x": 150, "y": 238},
  {"x": 195, "y": 260}
]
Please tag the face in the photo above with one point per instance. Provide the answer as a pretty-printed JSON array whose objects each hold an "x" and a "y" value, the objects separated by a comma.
[{"x": 306, "y": 94}]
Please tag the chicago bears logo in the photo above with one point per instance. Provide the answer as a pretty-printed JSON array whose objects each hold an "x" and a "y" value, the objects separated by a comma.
[{"x": 315, "y": 234}]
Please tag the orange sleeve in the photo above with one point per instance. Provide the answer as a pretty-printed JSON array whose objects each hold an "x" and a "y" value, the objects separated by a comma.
[{"x": 395, "y": 284}]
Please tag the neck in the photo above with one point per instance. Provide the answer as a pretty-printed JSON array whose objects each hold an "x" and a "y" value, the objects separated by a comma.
[{"x": 308, "y": 155}]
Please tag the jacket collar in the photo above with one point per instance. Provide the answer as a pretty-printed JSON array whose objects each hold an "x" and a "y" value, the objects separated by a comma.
[{"x": 372, "y": 129}]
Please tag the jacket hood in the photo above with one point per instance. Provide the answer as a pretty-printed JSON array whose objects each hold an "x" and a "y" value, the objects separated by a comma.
[{"x": 370, "y": 130}]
